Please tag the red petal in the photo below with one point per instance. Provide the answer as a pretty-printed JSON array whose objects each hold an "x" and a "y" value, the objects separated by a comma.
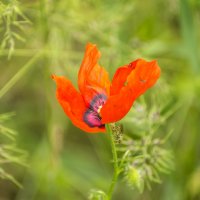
[
  {"x": 73, "y": 104},
  {"x": 92, "y": 79},
  {"x": 120, "y": 77},
  {"x": 117, "y": 106},
  {"x": 142, "y": 77}
]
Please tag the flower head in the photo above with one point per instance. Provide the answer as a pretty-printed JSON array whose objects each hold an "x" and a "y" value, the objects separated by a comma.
[{"x": 98, "y": 100}]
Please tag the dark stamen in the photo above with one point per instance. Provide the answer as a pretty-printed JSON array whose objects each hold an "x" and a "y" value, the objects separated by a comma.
[{"x": 91, "y": 116}]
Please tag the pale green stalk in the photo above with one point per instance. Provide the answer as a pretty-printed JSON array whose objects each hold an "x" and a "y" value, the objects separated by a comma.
[
  {"x": 18, "y": 75},
  {"x": 115, "y": 162}
]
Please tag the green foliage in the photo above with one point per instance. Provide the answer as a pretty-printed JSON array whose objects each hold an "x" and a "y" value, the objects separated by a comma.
[
  {"x": 144, "y": 153},
  {"x": 134, "y": 178},
  {"x": 12, "y": 22},
  {"x": 9, "y": 153},
  {"x": 146, "y": 160},
  {"x": 97, "y": 195}
]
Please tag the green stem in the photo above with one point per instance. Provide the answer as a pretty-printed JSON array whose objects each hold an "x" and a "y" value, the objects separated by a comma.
[
  {"x": 18, "y": 75},
  {"x": 115, "y": 161}
]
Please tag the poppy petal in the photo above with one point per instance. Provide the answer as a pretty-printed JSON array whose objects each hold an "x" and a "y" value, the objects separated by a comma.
[
  {"x": 120, "y": 77},
  {"x": 92, "y": 78},
  {"x": 73, "y": 104},
  {"x": 143, "y": 76}
]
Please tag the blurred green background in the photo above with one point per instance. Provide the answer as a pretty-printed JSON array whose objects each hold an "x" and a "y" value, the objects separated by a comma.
[{"x": 43, "y": 37}]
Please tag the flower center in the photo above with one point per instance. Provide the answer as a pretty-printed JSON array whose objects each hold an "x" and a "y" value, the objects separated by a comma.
[
  {"x": 92, "y": 115},
  {"x": 99, "y": 109}
]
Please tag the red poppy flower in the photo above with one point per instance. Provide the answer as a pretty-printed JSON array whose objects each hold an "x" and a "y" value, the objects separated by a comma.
[{"x": 98, "y": 100}]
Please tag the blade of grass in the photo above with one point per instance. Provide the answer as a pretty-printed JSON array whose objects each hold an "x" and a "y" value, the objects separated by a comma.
[
  {"x": 18, "y": 75},
  {"x": 188, "y": 34}
]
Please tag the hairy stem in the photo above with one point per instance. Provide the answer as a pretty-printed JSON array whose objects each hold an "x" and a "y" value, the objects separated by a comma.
[{"x": 115, "y": 162}]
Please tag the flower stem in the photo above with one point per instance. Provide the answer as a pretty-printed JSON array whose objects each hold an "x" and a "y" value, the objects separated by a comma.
[{"x": 115, "y": 161}]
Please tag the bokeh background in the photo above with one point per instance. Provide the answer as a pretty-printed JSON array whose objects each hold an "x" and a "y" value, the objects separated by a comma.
[{"x": 50, "y": 37}]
